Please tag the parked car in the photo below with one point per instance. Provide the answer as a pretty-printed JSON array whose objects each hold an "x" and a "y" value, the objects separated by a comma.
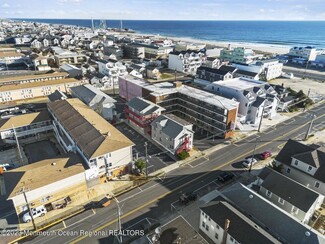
[
  {"x": 265, "y": 155},
  {"x": 5, "y": 167},
  {"x": 225, "y": 176},
  {"x": 187, "y": 197},
  {"x": 249, "y": 162},
  {"x": 36, "y": 212}
]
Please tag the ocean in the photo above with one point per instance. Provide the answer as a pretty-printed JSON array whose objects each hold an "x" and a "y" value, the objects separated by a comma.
[{"x": 284, "y": 33}]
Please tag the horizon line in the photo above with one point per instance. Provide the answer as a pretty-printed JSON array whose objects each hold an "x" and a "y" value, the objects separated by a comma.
[{"x": 322, "y": 20}]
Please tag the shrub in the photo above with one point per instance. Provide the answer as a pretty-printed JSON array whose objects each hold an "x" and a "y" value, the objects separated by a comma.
[{"x": 183, "y": 155}]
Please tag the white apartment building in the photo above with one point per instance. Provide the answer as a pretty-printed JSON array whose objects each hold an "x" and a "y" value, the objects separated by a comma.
[
  {"x": 256, "y": 98},
  {"x": 81, "y": 130},
  {"x": 267, "y": 69},
  {"x": 112, "y": 69},
  {"x": 186, "y": 61},
  {"x": 308, "y": 53}
]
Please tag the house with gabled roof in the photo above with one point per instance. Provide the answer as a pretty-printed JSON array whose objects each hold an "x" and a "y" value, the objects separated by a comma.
[
  {"x": 140, "y": 113},
  {"x": 304, "y": 164},
  {"x": 270, "y": 217},
  {"x": 291, "y": 196},
  {"x": 222, "y": 223},
  {"x": 172, "y": 133}
]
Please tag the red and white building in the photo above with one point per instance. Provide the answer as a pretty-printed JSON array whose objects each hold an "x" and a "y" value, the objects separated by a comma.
[{"x": 140, "y": 113}]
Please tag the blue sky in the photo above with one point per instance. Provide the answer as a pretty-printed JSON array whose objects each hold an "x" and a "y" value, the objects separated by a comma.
[{"x": 165, "y": 9}]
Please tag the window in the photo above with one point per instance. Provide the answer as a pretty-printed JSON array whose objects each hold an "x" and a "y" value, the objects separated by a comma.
[
  {"x": 296, "y": 162},
  {"x": 216, "y": 236},
  {"x": 281, "y": 201},
  {"x": 209, "y": 218},
  {"x": 310, "y": 168},
  {"x": 203, "y": 224},
  {"x": 218, "y": 227},
  {"x": 317, "y": 184},
  {"x": 207, "y": 227},
  {"x": 288, "y": 170},
  {"x": 268, "y": 194},
  {"x": 231, "y": 239}
]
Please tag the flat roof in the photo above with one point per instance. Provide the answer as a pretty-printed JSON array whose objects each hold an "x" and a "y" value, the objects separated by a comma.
[
  {"x": 31, "y": 77},
  {"x": 11, "y": 87},
  {"x": 240, "y": 83},
  {"x": 42, "y": 173},
  {"x": 91, "y": 132},
  {"x": 23, "y": 120},
  {"x": 4, "y": 54},
  {"x": 165, "y": 88}
]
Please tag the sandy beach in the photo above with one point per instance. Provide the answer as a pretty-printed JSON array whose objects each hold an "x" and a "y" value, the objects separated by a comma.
[{"x": 269, "y": 48}]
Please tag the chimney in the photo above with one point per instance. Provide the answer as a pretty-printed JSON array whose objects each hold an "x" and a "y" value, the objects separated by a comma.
[{"x": 178, "y": 84}]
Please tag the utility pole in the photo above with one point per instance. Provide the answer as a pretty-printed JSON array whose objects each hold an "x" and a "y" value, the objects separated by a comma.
[
  {"x": 313, "y": 116},
  {"x": 305, "y": 69},
  {"x": 120, "y": 239},
  {"x": 260, "y": 124},
  {"x": 146, "y": 158},
  {"x": 30, "y": 211},
  {"x": 251, "y": 164}
]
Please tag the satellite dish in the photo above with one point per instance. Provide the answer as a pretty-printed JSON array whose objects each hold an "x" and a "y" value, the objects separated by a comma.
[
  {"x": 307, "y": 233},
  {"x": 251, "y": 196},
  {"x": 158, "y": 230}
]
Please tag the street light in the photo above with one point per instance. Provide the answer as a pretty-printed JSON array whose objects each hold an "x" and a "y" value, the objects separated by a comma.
[{"x": 313, "y": 116}]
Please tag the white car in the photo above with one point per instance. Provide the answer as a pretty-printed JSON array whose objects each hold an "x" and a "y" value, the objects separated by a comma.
[
  {"x": 36, "y": 212},
  {"x": 249, "y": 162}
]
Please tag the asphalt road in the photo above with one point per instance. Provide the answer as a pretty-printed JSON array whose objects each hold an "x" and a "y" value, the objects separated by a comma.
[
  {"x": 153, "y": 200},
  {"x": 301, "y": 73}
]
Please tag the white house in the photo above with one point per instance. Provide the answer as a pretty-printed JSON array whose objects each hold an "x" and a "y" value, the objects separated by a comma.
[
  {"x": 112, "y": 69},
  {"x": 96, "y": 100},
  {"x": 186, "y": 61},
  {"x": 304, "y": 164},
  {"x": 222, "y": 223},
  {"x": 255, "y": 97},
  {"x": 307, "y": 53},
  {"x": 291, "y": 196},
  {"x": 173, "y": 133}
]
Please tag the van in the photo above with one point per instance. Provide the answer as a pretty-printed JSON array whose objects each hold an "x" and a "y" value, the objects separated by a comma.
[{"x": 36, "y": 212}]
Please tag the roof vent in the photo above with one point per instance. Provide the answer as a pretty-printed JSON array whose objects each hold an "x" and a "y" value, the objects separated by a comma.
[{"x": 53, "y": 164}]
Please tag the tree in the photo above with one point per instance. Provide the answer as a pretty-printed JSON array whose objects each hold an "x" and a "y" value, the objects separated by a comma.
[
  {"x": 183, "y": 155},
  {"x": 140, "y": 164}
]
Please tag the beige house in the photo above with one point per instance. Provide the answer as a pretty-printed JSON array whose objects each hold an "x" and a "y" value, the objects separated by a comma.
[{"x": 45, "y": 182}]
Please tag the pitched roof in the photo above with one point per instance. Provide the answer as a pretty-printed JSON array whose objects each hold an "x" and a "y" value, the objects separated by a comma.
[
  {"x": 305, "y": 152},
  {"x": 171, "y": 126},
  {"x": 278, "y": 222},
  {"x": 45, "y": 172},
  {"x": 92, "y": 133},
  {"x": 87, "y": 93},
  {"x": 244, "y": 72},
  {"x": 290, "y": 191},
  {"x": 214, "y": 71},
  {"x": 143, "y": 106},
  {"x": 241, "y": 228},
  {"x": 227, "y": 68}
]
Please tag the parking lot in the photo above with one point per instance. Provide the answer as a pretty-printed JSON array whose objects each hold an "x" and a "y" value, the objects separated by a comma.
[{"x": 157, "y": 158}]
